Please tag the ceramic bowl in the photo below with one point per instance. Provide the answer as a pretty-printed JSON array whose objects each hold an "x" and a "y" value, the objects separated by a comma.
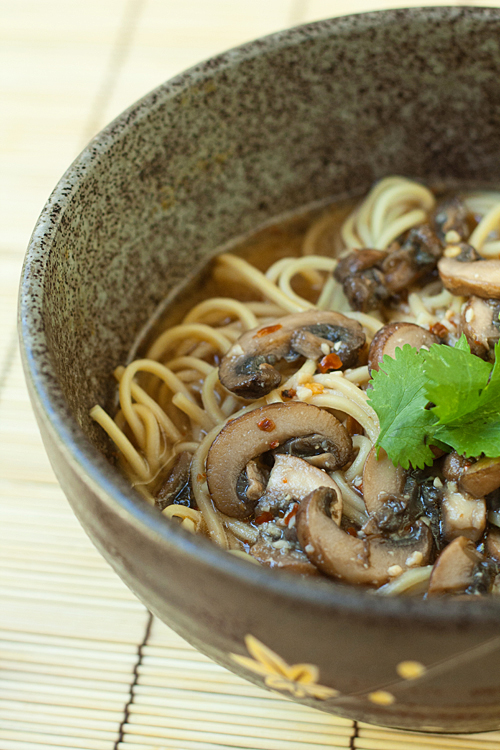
[{"x": 317, "y": 112}]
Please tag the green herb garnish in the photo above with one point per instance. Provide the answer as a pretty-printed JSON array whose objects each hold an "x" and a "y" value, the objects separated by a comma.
[{"x": 444, "y": 396}]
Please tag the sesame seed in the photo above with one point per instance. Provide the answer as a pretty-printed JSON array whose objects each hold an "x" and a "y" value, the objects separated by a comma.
[
  {"x": 414, "y": 560},
  {"x": 325, "y": 348},
  {"x": 381, "y": 697},
  {"x": 337, "y": 345},
  {"x": 410, "y": 670},
  {"x": 437, "y": 482},
  {"x": 308, "y": 549},
  {"x": 469, "y": 315},
  {"x": 452, "y": 237},
  {"x": 395, "y": 570},
  {"x": 452, "y": 251}
]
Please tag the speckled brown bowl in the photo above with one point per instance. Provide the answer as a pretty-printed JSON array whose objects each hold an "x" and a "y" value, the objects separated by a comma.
[{"x": 318, "y": 111}]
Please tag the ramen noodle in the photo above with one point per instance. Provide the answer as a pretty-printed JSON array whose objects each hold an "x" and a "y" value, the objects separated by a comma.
[{"x": 249, "y": 422}]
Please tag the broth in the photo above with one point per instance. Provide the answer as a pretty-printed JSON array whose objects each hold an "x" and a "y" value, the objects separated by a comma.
[{"x": 250, "y": 417}]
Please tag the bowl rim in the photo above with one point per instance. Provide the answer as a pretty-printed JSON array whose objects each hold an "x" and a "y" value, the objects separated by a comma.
[{"x": 103, "y": 479}]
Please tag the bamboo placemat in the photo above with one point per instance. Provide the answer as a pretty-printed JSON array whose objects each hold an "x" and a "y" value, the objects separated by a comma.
[{"x": 82, "y": 663}]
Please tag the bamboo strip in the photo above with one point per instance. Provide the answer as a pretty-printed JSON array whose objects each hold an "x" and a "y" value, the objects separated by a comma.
[
  {"x": 176, "y": 744},
  {"x": 56, "y": 740},
  {"x": 256, "y": 709},
  {"x": 60, "y": 682},
  {"x": 417, "y": 741},
  {"x": 70, "y": 641},
  {"x": 401, "y": 743},
  {"x": 64, "y": 713},
  {"x": 285, "y": 732},
  {"x": 84, "y": 601},
  {"x": 87, "y": 660},
  {"x": 30, "y": 694},
  {"x": 71, "y": 733},
  {"x": 95, "y": 675},
  {"x": 232, "y": 740}
]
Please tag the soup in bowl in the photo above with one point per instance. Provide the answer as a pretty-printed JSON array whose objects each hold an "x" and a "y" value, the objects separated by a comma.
[{"x": 216, "y": 186}]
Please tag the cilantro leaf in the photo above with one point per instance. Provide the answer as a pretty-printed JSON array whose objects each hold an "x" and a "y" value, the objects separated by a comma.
[
  {"x": 472, "y": 427},
  {"x": 455, "y": 379},
  {"x": 398, "y": 396}
]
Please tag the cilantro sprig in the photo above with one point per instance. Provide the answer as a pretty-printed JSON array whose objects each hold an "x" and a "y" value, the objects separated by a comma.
[{"x": 444, "y": 396}]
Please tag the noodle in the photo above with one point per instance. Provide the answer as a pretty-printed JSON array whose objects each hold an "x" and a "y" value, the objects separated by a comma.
[{"x": 173, "y": 405}]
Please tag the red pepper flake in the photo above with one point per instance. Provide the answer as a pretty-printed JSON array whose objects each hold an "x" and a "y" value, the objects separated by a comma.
[
  {"x": 332, "y": 361},
  {"x": 267, "y": 330},
  {"x": 264, "y": 518},
  {"x": 439, "y": 330},
  {"x": 288, "y": 393},
  {"x": 291, "y": 513},
  {"x": 352, "y": 531},
  {"x": 266, "y": 425},
  {"x": 201, "y": 477},
  {"x": 274, "y": 444}
]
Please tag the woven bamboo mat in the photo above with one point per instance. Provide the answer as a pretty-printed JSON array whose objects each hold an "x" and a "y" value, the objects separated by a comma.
[{"x": 82, "y": 663}]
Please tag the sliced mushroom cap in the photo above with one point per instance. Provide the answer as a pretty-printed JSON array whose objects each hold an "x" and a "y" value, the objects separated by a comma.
[
  {"x": 363, "y": 281},
  {"x": 462, "y": 514},
  {"x": 381, "y": 480},
  {"x": 295, "y": 478},
  {"x": 492, "y": 546},
  {"x": 370, "y": 561},
  {"x": 454, "y": 465},
  {"x": 453, "y": 571},
  {"x": 248, "y": 367},
  {"x": 482, "y": 477},
  {"x": 176, "y": 481},
  {"x": 450, "y": 215},
  {"x": 480, "y": 324},
  {"x": 481, "y": 277},
  {"x": 413, "y": 260},
  {"x": 259, "y": 431},
  {"x": 396, "y": 335},
  {"x": 284, "y": 558}
]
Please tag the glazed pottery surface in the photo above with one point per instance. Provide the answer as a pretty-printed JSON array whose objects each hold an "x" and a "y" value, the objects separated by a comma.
[{"x": 311, "y": 114}]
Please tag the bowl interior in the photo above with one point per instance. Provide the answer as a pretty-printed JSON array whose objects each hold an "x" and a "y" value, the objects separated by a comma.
[{"x": 309, "y": 115}]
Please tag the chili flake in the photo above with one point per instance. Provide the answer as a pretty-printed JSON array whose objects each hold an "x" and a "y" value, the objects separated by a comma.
[
  {"x": 315, "y": 388},
  {"x": 291, "y": 513},
  {"x": 268, "y": 329},
  {"x": 439, "y": 330},
  {"x": 264, "y": 518},
  {"x": 332, "y": 361},
  {"x": 288, "y": 393},
  {"x": 274, "y": 444},
  {"x": 266, "y": 425}
]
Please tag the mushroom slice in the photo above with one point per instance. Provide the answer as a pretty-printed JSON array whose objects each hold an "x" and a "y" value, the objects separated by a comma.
[
  {"x": 414, "y": 259},
  {"x": 480, "y": 324},
  {"x": 462, "y": 514},
  {"x": 248, "y": 368},
  {"x": 370, "y": 561},
  {"x": 362, "y": 279},
  {"x": 259, "y": 431},
  {"x": 480, "y": 277},
  {"x": 175, "y": 483},
  {"x": 482, "y": 477},
  {"x": 383, "y": 482},
  {"x": 285, "y": 558},
  {"x": 394, "y": 336},
  {"x": 315, "y": 449},
  {"x": 295, "y": 478},
  {"x": 454, "y": 569},
  {"x": 454, "y": 465},
  {"x": 492, "y": 546},
  {"x": 450, "y": 215}
]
